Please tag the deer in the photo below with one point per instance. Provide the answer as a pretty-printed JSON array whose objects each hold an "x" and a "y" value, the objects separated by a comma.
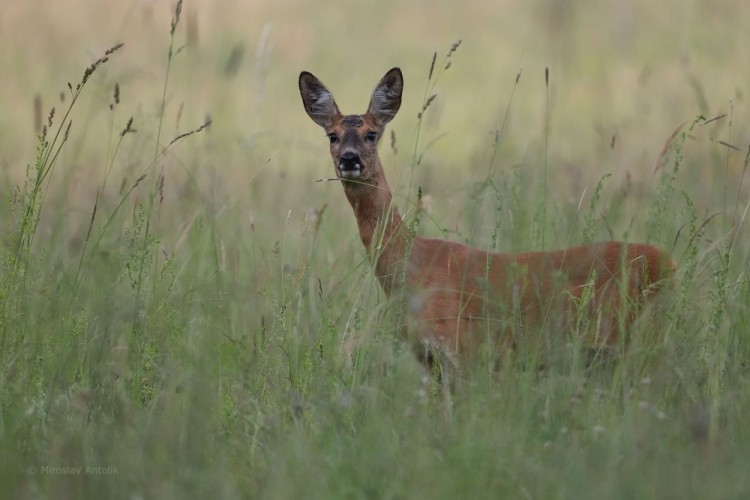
[{"x": 458, "y": 298}]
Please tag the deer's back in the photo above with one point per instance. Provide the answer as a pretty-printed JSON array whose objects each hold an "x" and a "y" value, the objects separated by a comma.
[{"x": 459, "y": 292}]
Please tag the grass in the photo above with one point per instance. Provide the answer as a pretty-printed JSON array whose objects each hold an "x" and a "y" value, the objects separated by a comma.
[{"x": 194, "y": 317}]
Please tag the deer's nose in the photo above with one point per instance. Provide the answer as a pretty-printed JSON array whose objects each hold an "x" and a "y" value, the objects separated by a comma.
[
  {"x": 349, "y": 164},
  {"x": 349, "y": 159}
]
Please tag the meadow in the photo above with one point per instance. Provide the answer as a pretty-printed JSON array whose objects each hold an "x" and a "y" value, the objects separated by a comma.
[{"x": 185, "y": 312}]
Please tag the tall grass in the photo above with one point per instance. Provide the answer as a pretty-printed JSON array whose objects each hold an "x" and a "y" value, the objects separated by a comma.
[{"x": 164, "y": 344}]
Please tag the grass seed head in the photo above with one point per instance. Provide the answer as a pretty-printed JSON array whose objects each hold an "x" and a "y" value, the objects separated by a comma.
[{"x": 454, "y": 47}]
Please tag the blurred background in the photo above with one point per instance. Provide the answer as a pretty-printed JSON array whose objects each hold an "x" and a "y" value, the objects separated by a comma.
[
  {"x": 623, "y": 76},
  {"x": 202, "y": 316}
]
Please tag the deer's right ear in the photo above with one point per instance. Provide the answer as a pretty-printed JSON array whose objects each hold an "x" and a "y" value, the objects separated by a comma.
[{"x": 318, "y": 100}]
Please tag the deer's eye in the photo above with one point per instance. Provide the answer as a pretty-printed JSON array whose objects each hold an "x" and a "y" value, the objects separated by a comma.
[
  {"x": 371, "y": 136},
  {"x": 333, "y": 138}
]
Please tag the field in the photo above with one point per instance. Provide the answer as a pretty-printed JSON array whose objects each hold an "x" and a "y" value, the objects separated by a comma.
[{"x": 186, "y": 313}]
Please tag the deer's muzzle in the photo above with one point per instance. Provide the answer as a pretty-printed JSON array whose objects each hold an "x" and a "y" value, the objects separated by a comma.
[{"x": 350, "y": 166}]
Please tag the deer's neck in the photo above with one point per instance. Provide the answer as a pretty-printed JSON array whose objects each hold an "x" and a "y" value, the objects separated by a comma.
[{"x": 380, "y": 228}]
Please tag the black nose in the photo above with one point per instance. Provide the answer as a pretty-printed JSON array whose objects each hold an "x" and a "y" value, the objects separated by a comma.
[{"x": 350, "y": 161}]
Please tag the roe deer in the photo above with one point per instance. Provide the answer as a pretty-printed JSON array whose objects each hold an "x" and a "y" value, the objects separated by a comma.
[{"x": 457, "y": 297}]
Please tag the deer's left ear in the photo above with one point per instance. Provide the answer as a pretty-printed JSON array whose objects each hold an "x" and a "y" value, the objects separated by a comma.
[{"x": 386, "y": 98}]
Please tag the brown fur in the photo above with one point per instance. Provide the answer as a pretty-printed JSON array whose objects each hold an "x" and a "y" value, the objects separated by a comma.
[{"x": 456, "y": 294}]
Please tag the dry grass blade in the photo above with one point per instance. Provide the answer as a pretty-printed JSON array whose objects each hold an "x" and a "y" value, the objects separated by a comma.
[
  {"x": 206, "y": 124},
  {"x": 128, "y": 128},
  {"x": 665, "y": 149},
  {"x": 426, "y": 105},
  {"x": 93, "y": 67},
  {"x": 730, "y": 146},
  {"x": 432, "y": 65},
  {"x": 715, "y": 118},
  {"x": 176, "y": 18}
]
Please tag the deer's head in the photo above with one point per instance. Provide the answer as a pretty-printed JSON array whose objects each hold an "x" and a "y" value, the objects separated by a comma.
[{"x": 354, "y": 138}]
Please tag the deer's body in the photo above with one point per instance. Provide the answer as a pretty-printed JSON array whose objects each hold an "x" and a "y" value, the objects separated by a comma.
[{"x": 455, "y": 294}]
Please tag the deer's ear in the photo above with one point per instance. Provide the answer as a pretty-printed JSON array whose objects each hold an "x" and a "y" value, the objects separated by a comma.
[
  {"x": 386, "y": 98},
  {"x": 318, "y": 100}
]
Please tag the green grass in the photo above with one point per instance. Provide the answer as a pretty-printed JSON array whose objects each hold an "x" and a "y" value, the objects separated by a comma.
[{"x": 197, "y": 318}]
